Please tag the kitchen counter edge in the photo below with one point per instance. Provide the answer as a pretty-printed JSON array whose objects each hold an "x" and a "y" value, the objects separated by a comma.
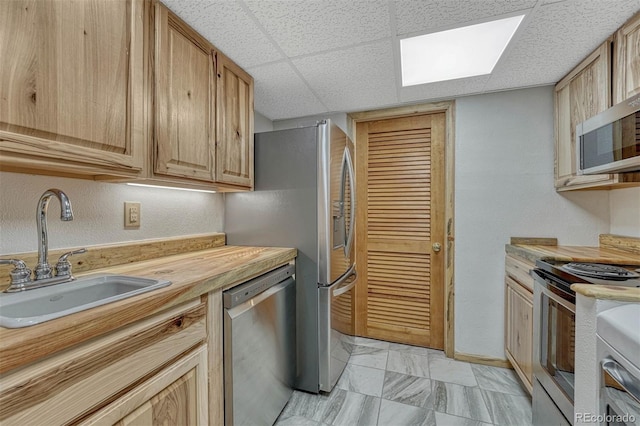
[
  {"x": 192, "y": 275},
  {"x": 619, "y": 294}
]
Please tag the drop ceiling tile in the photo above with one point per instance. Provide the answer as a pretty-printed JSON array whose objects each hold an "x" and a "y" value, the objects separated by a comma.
[
  {"x": 419, "y": 16},
  {"x": 225, "y": 24},
  {"x": 556, "y": 38},
  {"x": 301, "y": 27},
  {"x": 280, "y": 93},
  {"x": 443, "y": 89},
  {"x": 357, "y": 78}
]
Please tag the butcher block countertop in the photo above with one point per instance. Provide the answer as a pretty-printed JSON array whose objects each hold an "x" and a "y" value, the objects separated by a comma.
[
  {"x": 621, "y": 294},
  {"x": 574, "y": 254},
  {"x": 613, "y": 250},
  {"x": 192, "y": 274}
]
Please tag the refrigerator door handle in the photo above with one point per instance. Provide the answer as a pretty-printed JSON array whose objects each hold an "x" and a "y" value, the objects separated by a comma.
[
  {"x": 352, "y": 199},
  {"x": 349, "y": 285},
  {"x": 351, "y": 271}
]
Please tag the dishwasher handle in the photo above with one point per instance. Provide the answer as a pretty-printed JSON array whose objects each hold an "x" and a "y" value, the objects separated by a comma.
[{"x": 241, "y": 293}]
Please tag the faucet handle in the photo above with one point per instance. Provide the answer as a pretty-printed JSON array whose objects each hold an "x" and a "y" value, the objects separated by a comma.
[
  {"x": 20, "y": 273},
  {"x": 63, "y": 267}
]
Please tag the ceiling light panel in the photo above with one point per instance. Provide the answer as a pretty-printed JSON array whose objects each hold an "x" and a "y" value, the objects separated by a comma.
[{"x": 457, "y": 53}]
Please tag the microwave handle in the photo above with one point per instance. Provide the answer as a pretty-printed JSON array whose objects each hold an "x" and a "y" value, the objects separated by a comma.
[{"x": 579, "y": 149}]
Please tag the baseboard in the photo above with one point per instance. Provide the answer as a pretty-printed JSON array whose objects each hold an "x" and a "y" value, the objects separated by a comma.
[{"x": 480, "y": 359}]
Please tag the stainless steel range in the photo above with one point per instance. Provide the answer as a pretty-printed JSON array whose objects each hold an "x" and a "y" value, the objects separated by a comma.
[{"x": 554, "y": 331}]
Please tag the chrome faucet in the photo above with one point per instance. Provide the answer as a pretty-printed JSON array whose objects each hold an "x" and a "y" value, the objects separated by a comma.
[
  {"x": 43, "y": 269},
  {"x": 43, "y": 273}
]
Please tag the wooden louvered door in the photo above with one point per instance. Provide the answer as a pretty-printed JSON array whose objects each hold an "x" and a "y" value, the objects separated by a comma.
[{"x": 400, "y": 193}]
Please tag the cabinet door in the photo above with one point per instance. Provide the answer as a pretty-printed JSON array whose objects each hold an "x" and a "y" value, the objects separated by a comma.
[
  {"x": 519, "y": 330},
  {"x": 72, "y": 86},
  {"x": 626, "y": 65},
  {"x": 185, "y": 107},
  {"x": 581, "y": 95},
  {"x": 176, "y": 395},
  {"x": 234, "y": 153},
  {"x": 75, "y": 383}
]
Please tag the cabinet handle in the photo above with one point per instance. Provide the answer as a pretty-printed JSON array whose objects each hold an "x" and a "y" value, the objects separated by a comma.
[{"x": 436, "y": 247}]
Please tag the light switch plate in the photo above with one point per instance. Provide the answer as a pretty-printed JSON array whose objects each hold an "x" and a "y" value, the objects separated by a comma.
[{"x": 132, "y": 214}]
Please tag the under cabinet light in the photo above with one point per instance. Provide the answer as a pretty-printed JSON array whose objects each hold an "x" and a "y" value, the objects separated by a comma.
[
  {"x": 457, "y": 53},
  {"x": 170, "y": 187}
]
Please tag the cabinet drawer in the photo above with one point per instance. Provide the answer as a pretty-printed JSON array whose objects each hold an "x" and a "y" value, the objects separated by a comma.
[
  {"x": 176, "y": 395},
  {"x": 519, "y": 269},
  {"x": 67, "y": 386}
]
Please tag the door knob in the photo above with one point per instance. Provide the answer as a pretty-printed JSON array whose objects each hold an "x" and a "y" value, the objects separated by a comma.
[{"x": 436, "y": 247}]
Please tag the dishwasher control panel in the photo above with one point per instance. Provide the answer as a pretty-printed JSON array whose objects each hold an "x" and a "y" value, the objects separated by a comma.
[{"x": 247, "y": 291}]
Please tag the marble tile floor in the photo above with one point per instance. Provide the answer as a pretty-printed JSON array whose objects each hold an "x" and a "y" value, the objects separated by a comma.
[{"x": 389, "y": 384}]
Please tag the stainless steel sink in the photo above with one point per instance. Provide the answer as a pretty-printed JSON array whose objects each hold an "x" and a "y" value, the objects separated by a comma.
[{"x": 43, "y": 304}]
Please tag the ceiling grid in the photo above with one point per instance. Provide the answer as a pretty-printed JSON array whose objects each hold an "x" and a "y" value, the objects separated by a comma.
[{"x": 311, "y": 57}]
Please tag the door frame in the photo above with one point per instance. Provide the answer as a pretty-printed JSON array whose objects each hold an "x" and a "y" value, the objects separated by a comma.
[{"x": 448, "y": 108}]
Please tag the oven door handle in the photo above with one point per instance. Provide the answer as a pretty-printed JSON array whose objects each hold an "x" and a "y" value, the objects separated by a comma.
[{"x": 622, "y": 377}]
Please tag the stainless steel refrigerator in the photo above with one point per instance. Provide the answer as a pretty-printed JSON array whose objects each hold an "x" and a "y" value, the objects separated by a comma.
[{"x": 305, "y": 198}]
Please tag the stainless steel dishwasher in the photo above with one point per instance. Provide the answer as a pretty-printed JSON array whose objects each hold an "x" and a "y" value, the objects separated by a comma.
[{"x": 259, "y": 348}]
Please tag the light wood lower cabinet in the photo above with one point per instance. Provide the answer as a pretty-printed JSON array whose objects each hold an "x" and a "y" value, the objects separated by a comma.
[
  {"x": 519, "y": 319},
  {"x": 215, "y": 342},
  {"x": 154, "y": 369},
  {"x": 175, "y": 396}
]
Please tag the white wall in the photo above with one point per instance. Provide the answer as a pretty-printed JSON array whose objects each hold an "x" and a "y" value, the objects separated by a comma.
[
  {"x": 261, "y": 123},
  {"x": 625, "y": 212},
  {"x": 504, "y": 187},
  {"x": 99, "y": 212}
]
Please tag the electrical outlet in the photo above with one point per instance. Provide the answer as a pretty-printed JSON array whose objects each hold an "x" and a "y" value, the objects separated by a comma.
[{"x": 131, "y": 214}]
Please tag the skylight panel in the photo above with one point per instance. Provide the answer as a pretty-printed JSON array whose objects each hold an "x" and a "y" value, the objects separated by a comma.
[{"x": 457, "y": 53}]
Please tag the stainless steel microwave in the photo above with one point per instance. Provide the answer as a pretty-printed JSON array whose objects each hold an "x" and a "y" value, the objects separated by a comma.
[{"x": 610, "y": 141}]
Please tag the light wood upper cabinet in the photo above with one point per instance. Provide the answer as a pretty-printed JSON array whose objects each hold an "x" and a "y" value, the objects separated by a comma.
[
  {"x": 185, "y": 100},
  {"x": 71, "y": 86},
  {"x": 585, "y": 92},
  {"x": 120, "y": 90},
  {"x": 582, "y": 94},
  {"x": 626, "y": 60},
  {"x": 234, "y": 153}
]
